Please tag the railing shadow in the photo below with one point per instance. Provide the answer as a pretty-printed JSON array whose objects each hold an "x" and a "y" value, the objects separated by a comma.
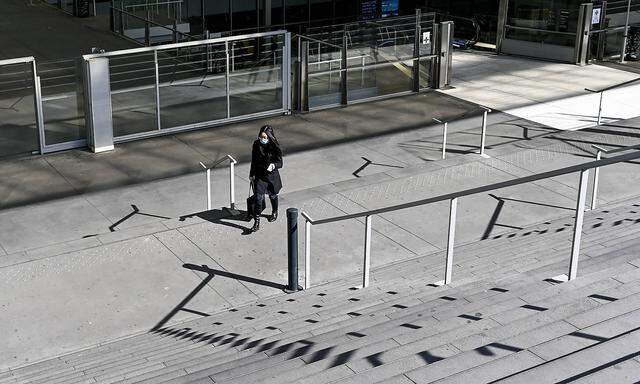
[
  {"x": 247, "y": 279},
  {"x": 222, "y": 216}
]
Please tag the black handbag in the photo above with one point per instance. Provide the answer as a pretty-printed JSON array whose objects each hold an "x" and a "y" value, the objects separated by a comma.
[{"x": 251, "y": 202}]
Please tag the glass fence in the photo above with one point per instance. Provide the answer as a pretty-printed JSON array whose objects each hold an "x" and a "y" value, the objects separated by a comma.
[{"x": 190, "y": 85}]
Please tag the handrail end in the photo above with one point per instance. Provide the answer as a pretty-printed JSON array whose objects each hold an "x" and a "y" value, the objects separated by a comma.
[
  {"x": 202, "y": 165},
  {"x": 307, "y": 217},
  {"x": 599, "y": 148},
  {"x": 234, "y": 161}
]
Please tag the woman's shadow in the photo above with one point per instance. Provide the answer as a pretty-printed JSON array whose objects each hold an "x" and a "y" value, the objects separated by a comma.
[{"x": 225, "y": 216}]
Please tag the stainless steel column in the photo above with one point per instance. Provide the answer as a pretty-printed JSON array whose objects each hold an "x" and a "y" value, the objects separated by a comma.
[
  {"x": 445, "y": 54},
  {"x": 286, "y": 73},
  {"x": 303, "y": 90},
  {"x": 582, "y": 34},
  {"x": 98, "y": 104},
  {"x": 502, "y": 22}
]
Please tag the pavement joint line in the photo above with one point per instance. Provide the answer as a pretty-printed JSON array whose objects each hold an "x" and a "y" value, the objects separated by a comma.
[
  {"x": 192, "y": 271},
  {"x": 395, "y": 225},
  {"x": 222, "y": 267}
]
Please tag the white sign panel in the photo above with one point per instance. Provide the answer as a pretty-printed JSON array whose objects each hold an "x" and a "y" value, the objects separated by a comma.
[
  {"x": 595, "y": 16},
  {"x": 426, "y": 37}
]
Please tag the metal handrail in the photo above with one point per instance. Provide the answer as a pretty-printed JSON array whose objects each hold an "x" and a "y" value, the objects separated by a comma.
[
  {"x": 603, "y": 90},
  {"x": 232, "y": 189},
  {"x": 183, "y": 44},
  {"x": 453, "y": 199},
  {"x": 596, "y": 175}
]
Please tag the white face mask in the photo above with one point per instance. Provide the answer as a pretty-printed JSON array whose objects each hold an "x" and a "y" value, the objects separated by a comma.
[{"x": 264, "y": 141}]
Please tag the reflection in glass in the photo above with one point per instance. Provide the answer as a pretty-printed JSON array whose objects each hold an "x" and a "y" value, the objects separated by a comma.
[
  {"x": 133, "y": 94},
  {"x": 192, "y": 85}
]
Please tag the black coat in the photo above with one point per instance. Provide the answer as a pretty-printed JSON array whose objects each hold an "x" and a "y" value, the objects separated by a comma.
[{"x": 261, "y": 156}]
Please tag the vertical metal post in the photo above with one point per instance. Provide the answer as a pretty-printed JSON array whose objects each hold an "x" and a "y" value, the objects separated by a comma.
[
  {"x": 157, "y": 78},
  {"x": 596, "y": 181},
  {"x": 344, "y": 100},
  {"x": 484, "y": 133},
  {"x": 292, "y": 247},
  {"x": 226, "y": 76},
  {"x": 577, "y": 228},
  {"x": 37, "y": 100},
  {"x": 303, "y": 91},
  {"x": 367, "y": 253},
  {"x": 208, "y": 189},
  {"x": 174, "y": 35},
  {"x": 232, "y": 185},
  {"x": 582, "y": 34},
  {"x": 307, "y": 255},
  {"x": 626, "y": 33},
  {"x": 416, "y": 52},
  {"x": 286, "y": 73},
  {"x": 600, "y": 108},
  {"x": 444, "y": 140},
  {"x": 503, "y": 9},
  {"x": 147, "y": 30},
  {"x": 448, "y": 270},
  {"x": 363, "y": 62},
  {"x": 121, "y": 18}
]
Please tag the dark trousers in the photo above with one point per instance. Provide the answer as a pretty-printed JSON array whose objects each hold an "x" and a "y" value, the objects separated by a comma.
[{"x": 259, "y": 201}]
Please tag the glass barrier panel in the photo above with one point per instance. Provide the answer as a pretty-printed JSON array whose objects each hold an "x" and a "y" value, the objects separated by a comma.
[
  {"x": 133, "y": 93},
  {"x": 426, "y": 66},
  {"x": 324, "y": 75},
  {"x": 379, "y": 80},
  {"x": 193, "y": 87},
  {"x": 255, "y": 77},
  {"x": 18, "y": 131},
  {"x": 62, "y": 101}
]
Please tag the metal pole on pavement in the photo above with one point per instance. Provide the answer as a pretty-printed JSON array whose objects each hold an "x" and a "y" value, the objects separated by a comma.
[
  {"x": 577, "y": 228},
  {"x": 232, "y": 185},
  {"x": 600, "y": 109},
  {"x": 367, "y": 252},
  {"x": 596, "y": 181},
  {"x": 484, "y": 132},
  {"x": 448, "y": 271},
  {"x": 626, "y": 33},
  {"x": 292, "y": 246}
]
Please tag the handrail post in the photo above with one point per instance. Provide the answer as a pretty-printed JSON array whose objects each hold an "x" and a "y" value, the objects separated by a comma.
[
  {"x": 596, "y": 181},
  {"x": 292, "y": 248},
  {"x": 367, "y": 252},
  {"x": 484, "y": 134},
  {"x": 448, "y": 271},
  {"x": 307, "y": 254},
  {"x": 208, "y": 189},
  {"x": 577, "y": 228},
  {"x": 232, "y": 185},
  {"x": 600, "y": 108},
  {"x": 444, "y": 140}
]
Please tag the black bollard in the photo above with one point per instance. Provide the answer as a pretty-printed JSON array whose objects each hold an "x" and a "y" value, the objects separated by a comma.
[{"x": 292, "y": 243}]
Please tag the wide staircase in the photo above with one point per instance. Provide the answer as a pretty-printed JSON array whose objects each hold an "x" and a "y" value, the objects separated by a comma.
[{"x": 503, "y": 319}]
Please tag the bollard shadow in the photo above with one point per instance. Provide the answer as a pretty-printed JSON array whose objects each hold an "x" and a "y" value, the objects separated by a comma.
[
  {"x": 135, "y": 211},
  {"x": 247, "y": 279},
  {"x": 225, "y": 216}
]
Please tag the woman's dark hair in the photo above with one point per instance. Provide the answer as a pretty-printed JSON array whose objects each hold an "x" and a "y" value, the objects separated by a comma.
[{"x": 268, "y": 130}]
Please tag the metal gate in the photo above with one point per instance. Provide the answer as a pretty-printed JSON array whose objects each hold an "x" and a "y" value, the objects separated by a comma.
[{"x": 343, "y": 64}]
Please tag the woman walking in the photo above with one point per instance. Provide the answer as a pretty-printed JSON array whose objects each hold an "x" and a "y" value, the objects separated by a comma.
[{"x": 266, "y": 159}]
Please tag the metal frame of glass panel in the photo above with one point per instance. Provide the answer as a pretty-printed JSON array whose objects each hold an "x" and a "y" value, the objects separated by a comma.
[
  {"x": 158, "y": 129},
  {"x": 37, "y": 94}
]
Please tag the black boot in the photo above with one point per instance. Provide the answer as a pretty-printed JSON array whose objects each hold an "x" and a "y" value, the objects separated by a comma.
[
  {"x": 256, "y": 224},
  {"x": 274, "y": 209}
]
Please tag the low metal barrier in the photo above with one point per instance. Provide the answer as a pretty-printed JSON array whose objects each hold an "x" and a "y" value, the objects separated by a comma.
[
  {"x": 232, "y": 190},
  {"x": 453, "y": 203},
  {"x": 445, "y": 127}
]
